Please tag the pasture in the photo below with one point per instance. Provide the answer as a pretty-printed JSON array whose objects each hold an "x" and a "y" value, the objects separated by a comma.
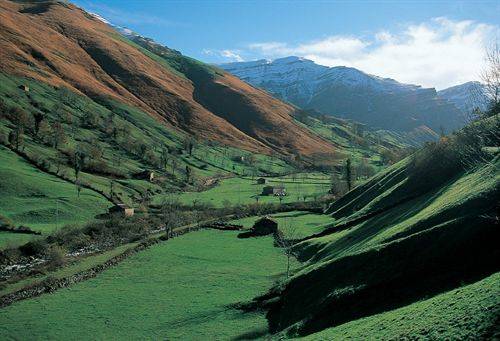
[
  {"x": 41, "y": 201},
  {"x": 181, "y": 289},
  {"x": 302, "y": 223},
  {"x": 246, "y": 190}
]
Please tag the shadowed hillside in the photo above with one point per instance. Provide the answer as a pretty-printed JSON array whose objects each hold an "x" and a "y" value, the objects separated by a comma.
[{"x": 424, "y": 226}]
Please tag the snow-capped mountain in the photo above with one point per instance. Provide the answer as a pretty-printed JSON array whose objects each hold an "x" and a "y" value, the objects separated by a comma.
[
  {"x": 350, "y": 93},
  {"x": 466, "y": 96}
]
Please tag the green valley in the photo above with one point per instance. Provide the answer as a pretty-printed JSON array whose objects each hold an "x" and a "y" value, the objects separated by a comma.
[{"x": 145, "y": 194}]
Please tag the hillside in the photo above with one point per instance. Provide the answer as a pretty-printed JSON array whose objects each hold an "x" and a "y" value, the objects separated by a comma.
[
  {"x": 350, "y": 93},
  {"x": 90, "y": 57},
  {"x": 122, "y": 105},
  {"x": 466, "y": 96},
  {"x": 396, "y": 240}
]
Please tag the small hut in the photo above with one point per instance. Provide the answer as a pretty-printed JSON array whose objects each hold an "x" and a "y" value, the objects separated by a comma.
[
  {"x": 24, "y": 87},
  {"x": 261, "y": 181},
  {"x": 121, "y": 210},
  {"x": 264, "y": 226},
  {"x": 278, "y": 191},
  {"x": 146, "y": 175}
]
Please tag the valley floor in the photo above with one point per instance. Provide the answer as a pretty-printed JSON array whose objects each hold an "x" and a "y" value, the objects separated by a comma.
[
  {"x": 180, "y": 289},
  {"x": 187, "y": 288}
]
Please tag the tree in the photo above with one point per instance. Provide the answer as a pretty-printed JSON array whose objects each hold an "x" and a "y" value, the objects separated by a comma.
[
  {"x": 58, "y": 134},
  {"x": 109, "y": 125},
  {"x": 20, "y": 119},
  {"x": 286, "y": 238},
  {"x": 169, "y": 214},
  {"x": 44, "y": 131},
  {"x": 38, "y": 119},
  {"x": 164, "y": 158},
  {"x": 67, "y": 96},
  {"x": 490, "y": 77},
  {"x": 188, "y": 174},
  {"x": 78, "y": 162},
  {"x": 16, "y": 137},
  {"x": 60, "y": 160},
  {"x": 78, "y": 187},
  {"x": 189, "y": 144},
  {"x": 173, "y": 164},
  {"x": 90, "y": 119},
  {"x": 348, "y": 173},
  {"x": 364, "y": 169}
]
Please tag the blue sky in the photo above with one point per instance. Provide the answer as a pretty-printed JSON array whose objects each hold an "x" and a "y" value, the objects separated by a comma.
[{"x": 410, "y": 41}]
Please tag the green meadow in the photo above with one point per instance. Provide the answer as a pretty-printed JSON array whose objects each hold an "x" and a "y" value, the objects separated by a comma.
[
  {"x": 185, "y": 288},
  {"x": 41, "y": 201},
  {"x": 245, "y": 190},
  {"x": 302, "y": 223}
]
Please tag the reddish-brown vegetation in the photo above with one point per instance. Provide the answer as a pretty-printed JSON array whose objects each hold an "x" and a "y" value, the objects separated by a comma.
[{"x": 62, "y": 45}]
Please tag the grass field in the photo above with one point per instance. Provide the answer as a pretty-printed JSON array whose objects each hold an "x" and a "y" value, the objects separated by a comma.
[
  {"x": 181, "y": 289},
  {"x": 239, "y": 190},
  {"x": 41, "y": 201},
  {"x": 304, "y": 223},
  {"x": 461, "y": 314}
]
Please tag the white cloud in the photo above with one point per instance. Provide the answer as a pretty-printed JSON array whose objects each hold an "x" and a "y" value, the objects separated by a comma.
[
  {"x": 438, "y": 53},
  {"x": 227, "y": 55}
]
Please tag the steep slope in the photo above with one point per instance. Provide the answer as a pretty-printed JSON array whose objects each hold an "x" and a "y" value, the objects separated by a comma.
[
  {"x": 87, "y": 55},
  {"x": 350, "y": 93},
  {"x": 420, "y": 228},
  {"x": 466, "y": 96},
  {"x": 470, "y": 312}
]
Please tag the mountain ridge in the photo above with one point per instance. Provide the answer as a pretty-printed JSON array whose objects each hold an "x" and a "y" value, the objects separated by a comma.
[
  {"x": 350, "y": 93},
  {"x": 466, "y": 96}
]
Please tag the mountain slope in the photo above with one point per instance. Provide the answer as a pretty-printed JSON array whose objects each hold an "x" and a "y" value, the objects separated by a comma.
[
  {"x": 466, "y": 96},
  {"x": 397, "y": 239},
  {"x": 350, "y": 93},
  {"x": 87, "y": 55}
]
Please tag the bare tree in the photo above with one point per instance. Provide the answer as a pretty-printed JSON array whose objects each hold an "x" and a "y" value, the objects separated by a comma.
[
  {"x": 491, "y": 76},
  {"x": 169, "y": 214},
  {"x": 58, "y": 135},
  {"x": 484, "y": 97},
  {"x": 348, "y": 173},
  {"x": 286, "y": 237}
]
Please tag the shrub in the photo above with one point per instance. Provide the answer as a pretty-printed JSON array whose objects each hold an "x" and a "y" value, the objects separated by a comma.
[
  {"x": 434, "y": 164},
  {"x": 56, "y": 256},
  {"x": 34, "y": 248}
]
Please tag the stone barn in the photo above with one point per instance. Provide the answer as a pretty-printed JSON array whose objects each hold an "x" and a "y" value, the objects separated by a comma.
[
  {"x": 274, "y": 190},
  {"x": 261, "y": 181},
  {"x": 24, "y": 87},
  {"x": 121, "y": 210}
]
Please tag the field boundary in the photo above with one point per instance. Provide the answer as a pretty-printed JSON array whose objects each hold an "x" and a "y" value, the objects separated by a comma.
[{"x": 50, "y": 285}]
